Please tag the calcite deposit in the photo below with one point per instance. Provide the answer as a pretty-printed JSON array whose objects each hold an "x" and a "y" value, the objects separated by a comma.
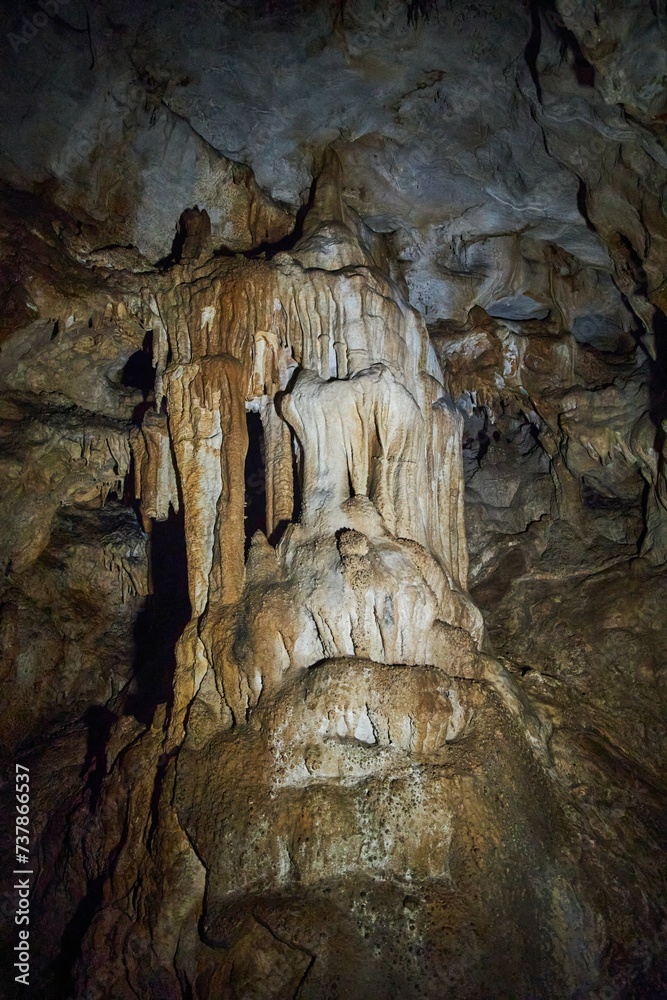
[
  {"x": 334, "y": 499},
  {"x": 372, "y": 562}
]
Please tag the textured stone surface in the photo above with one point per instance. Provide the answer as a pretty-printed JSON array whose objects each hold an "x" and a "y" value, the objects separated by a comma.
[{"x": 299, "y": 724}]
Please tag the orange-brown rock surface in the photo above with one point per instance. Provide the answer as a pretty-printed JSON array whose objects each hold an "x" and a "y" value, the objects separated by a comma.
[{"x": 333, "y": 499}]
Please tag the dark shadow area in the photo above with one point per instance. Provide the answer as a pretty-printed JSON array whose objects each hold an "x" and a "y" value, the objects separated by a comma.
[
  {"x": 582, "y": 69},
  {"x": 160, "y": 775},
  {"x": 297, "y": 477},
  {"x": 138, "y": 372},
  {"x": 570, "y": 49},
  {"x": 99, "y": 720},
  {"x": 532, "y": 49},
  {"x": 497, "y": 584},
  {"x": 160, "y": 624},
  {"x": 255, "y": 480},
  {"x": 658, "y": 387},
  {"x": 297, "y": 470},
  {"x": 278, "y": 532},
  {"x": 582, "y": 204},
  {"x": 482, "y": 445},
  {"x": 288, "y": 242},
  {"x": 61, "y": 972},
  {"x": 421, "y": 10},
  {"x": 593, "y": 500},
  {"x": 193, "y": 237}
]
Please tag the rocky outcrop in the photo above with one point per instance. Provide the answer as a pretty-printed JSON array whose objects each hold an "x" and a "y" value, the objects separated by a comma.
[{"x": 335, "y": 510}]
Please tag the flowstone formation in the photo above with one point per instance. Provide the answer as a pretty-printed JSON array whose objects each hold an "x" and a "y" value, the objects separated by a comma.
[
  {"x": 352, "y": 790},
  {"x": 362, "y": 460}
]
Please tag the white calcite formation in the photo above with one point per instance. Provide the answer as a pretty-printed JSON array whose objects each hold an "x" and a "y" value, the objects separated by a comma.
[{"x": 370, "y": 562}]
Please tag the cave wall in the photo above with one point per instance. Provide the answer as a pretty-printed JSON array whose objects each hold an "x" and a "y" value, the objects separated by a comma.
[{"x": 334, "y": 501}]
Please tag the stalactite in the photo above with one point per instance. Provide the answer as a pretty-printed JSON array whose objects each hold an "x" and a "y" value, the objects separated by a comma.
[
  {"x": 207, "y": 426},
  {"x": 279, "y": 468},
  {"x": 154, "y": 475},
  {"x": 325, "y": 348}
]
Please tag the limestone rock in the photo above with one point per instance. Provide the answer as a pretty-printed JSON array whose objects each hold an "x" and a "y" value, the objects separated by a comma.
[{"x": 332, "y": 427}]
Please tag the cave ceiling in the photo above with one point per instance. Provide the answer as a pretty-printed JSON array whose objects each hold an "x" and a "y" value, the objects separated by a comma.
[{"x": 476, "y": 138}]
